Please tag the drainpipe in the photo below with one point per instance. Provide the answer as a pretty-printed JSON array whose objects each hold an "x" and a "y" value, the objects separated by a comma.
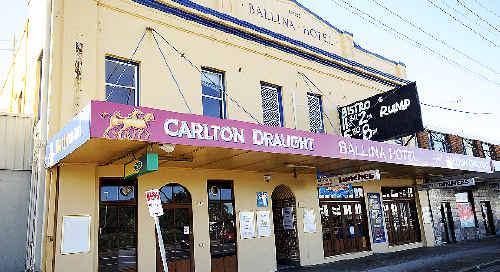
[{"x": 34, "y": 261}]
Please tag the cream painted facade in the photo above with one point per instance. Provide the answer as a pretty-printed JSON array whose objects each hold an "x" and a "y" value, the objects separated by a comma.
[{"x": 114, "y": 28}]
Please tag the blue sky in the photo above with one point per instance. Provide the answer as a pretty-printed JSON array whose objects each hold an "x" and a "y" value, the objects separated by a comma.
[{"x": 439, "y": 83}]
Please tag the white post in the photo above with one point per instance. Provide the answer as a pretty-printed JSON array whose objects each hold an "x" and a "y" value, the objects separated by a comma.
[{"x": 160, "y": 244}]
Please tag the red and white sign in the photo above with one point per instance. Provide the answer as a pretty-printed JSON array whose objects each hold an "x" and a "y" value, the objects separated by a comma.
[{"x": 154, "y": 203}]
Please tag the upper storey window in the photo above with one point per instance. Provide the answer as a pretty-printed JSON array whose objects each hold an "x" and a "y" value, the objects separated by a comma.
[
  {"x": 212, "y": 93},
  {"x": 315, "y": 104},
  {"x": 468, "y": 147},
  {"x": 272, "y": 106},
  {"x": 438, "y": 141},
  {"x": 487, "y": 150},
  {"x": 122, "y": 81}
]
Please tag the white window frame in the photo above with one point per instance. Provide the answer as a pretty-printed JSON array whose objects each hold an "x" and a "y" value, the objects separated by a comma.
[
  {"x": 222, "y": 99},
  {"x": 136, "y": 77}
]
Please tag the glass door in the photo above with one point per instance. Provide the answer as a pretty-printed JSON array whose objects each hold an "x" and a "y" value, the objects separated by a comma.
[
  {"x": 117, "y": 227},
  {"x": 487, "y": 215},
  {"x": 222, "y": 226}
]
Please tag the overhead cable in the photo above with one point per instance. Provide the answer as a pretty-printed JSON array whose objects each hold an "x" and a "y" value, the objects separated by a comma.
[
  {"x": 380, "y": 24},
  {"x": 172, "y": 74},
  {"x": 466, "y": 16},
  {"x": 477, "y": 15},
  {"x": 433, "y": 36},
  {"x": 455, "y": 110},
  {"x": 486, "y": 8},
  {"x": 183, "y": 55},
  {"x": 462, "y": 23}
]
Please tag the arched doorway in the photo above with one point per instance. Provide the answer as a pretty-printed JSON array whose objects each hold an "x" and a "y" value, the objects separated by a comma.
[
  {"x": 285, "y": 227},
  {"x": 177, "y": 229}
]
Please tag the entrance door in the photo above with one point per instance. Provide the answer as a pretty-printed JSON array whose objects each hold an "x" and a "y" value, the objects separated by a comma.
[
  {"x": 177, "y": 229},
  {"x": 400, "y": 211},
  {"x": 117, "y": 227},
  {"x": 344, "y": 221},
  {"x": 448, "y": 225},
  {"x": 487, "y": 217},
  {"x": 222, "y": 226},
  {"x": 285, "y": 227}
]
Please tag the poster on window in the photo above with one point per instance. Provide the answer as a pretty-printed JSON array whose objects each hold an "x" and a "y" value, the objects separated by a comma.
[
  {"x": 247, "y": 225},
  {"x": 309, "y": 221},
  {"x": 376, "y": 217},
  {"x": 288, "y": 218},
  {"x": 385, "y": 116},
  {"x": 337, "y": 191},
  {"x": 262, "y": 200},
  {"x": 263, "y": 223},
  {"x": 466, "y": 215}
]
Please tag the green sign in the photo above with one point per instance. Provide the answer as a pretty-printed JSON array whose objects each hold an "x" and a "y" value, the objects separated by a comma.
[{"x": 145, "y": 164}]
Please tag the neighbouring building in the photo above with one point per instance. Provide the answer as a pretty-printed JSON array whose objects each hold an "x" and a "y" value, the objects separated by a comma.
[
  {"x": 463, "y": 207},
  {"x": 15, "y": 174},
  {"x": 230, "y": 108}
]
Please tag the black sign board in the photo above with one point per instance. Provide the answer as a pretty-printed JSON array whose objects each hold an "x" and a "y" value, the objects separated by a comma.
[{"x": 383, "y": 116}]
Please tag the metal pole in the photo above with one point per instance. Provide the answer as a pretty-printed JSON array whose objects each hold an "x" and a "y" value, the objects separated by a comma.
[{"x": 160, "y": 244}]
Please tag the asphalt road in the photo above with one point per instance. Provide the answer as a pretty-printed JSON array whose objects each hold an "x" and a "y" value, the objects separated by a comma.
[{"x": 483, "y": 256}]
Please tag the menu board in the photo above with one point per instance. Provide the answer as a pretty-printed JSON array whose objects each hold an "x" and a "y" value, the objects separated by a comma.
[
  {"x": 376, "y": 218},
  {"x": 263, "y": 223},
  {"x": 75, "y": 234},
  {"x": 247, "y": 225},
  {"x": 288, "y": 218},
  {"x": 309, "y": 221}
]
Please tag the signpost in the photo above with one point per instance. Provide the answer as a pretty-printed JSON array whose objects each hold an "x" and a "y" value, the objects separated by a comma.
[
  {"x": 145, "y": 164},
  {"x": 155, "y": 211}
]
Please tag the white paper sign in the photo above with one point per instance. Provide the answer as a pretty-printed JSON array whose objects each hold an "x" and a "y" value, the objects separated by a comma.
[
  {"x": 309, "y": 221},
  {"x": 263, "y": 223},
  {"x": 247, "y": 225},
  {"x": 76, "y": 234},
  {"x": 288, "y": 218},
  {"x": 154, "y": 203}
]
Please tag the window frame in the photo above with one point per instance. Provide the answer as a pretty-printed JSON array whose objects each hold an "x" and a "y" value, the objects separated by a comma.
[
  {"x": 432, "y": 140},
  {"x": 487, "y": 151},
  {"x": 222, "y": 99},
  {"x": 136, "y": 78},
  {"x": 470, "y": 143},
  {"x": 321, "y": 112},
  {"x": 279, "y": 91}
]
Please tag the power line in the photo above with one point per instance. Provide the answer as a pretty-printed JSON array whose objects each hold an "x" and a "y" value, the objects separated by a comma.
[
  {"x": 455, "y": 110},
  {"x": 465, "y": 16},
  {"x": 433, "y": 36},
  {"x": 403, "y": 36},
  {"x": 183, "y": 55},
  {"x": 462, "y": 23},
  {"x": 172, "y": 73},
  {"x": 477, "y": 15},
  {"x": 486, "y": 8}
]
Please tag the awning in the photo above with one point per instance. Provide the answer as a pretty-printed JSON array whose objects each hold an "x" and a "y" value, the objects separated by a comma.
[{"x": 107, "y": 133}]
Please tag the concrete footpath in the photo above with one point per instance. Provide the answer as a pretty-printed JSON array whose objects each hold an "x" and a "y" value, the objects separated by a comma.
[{"x": 483, "y": 255}]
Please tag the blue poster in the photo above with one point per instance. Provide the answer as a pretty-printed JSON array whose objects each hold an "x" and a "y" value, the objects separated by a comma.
[
  {"x": 262, "y": 199},
  {"x": 376, "y": 218},
  {"x": 337, "y": 191}
]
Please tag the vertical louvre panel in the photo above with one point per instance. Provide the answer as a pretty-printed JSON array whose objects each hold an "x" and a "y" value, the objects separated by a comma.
[
  {"x": 271, "y": 106},
  {"x": 315, "y": 113},
  {"x": 15, "y": 142}
]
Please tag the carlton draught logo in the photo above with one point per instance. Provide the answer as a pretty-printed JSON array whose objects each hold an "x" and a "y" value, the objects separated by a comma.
[{"x": 134, "y": 126}]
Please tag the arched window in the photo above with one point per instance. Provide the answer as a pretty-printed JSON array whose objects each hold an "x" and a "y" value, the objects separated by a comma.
[{"x": 174, "y": 194}]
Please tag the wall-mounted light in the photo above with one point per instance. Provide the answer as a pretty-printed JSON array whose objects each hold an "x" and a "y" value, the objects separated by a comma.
[
  {"x": 267, "y": 178},
  {"x": 169, "y": 148}
]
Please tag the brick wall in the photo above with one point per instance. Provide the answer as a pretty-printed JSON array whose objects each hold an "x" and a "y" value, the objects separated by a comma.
[
  {"x": 478, "y": 149},
  {"x": 456, "y": 144},
  {"x": 497, "y": 152},
  {"x": 423, "y": 139}
]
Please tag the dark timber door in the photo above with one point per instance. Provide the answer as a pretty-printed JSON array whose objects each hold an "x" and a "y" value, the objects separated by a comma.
[
  {"x": 400, "y": 212},
  {"x": 285, "y": 227},
  {"x": 117, "y": 227},
  {"x": 344, "y": 222},
  {"x": 448, "y": 225},
  {"x": 222, "y": 226},
  {"x": 487, "y": 215},
  {"x": 176, "y": 227}
]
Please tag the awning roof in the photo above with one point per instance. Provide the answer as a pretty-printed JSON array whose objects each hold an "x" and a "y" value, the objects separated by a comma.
[{"x": 106, "y": 133}]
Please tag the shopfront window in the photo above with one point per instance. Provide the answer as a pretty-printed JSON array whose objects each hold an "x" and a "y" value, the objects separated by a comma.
[
  {"x": 272, "y": 106},
  {"x": 117, "y": 226},
  {"x": 438, "y": 142},
  {"x": 122, "y": 81},
  {"x": 400, "y": 212},
  {"x": 487, "y": 150},
  {"x": 222, "y": 226},
  {"x": 344, "y": 222},
  {"x": 213, "y": 94},
  {"x": 315, "y": 104},
  {"x": 468, "y": 147}
]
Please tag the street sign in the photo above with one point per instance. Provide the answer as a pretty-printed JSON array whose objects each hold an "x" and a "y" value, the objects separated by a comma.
[
  {"x": 145, "y": 164},
  {"x": 155, "y": 208}
]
